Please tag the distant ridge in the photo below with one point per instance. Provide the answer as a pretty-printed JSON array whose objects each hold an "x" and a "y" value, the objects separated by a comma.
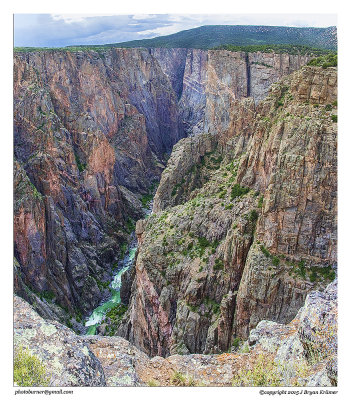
[{"x": 209, "y": 36}]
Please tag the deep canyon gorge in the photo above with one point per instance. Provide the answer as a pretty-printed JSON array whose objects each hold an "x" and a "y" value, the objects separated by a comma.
[{"x": 239, "y": 153}]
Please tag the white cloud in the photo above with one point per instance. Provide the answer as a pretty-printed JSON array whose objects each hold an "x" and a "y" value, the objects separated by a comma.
[
  {"x": 144, "y": 16},
  {"x": 72, "y": 18},
  {"x": 52, "y": 30}
]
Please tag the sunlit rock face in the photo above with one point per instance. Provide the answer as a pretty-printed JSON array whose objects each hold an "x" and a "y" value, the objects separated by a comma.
[{"x": 244, "y": 222}]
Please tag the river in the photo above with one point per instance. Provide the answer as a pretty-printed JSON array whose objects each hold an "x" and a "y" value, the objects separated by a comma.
[{"x": 99, "y": 312}]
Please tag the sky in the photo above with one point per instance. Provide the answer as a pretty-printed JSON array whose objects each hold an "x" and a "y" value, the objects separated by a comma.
[{"x": 58, "y": 30}]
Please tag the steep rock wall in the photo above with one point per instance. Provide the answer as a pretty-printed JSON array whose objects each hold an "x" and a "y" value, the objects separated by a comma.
[
  {"x": 83, "y": 146},
  {"x": 246, "y": 212}
]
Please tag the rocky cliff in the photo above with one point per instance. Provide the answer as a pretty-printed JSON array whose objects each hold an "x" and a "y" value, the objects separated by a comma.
[
  {"x": 91, "y": 130},
  {"x": 244, "y": 222},
  {"x": 302, "y": 353}
]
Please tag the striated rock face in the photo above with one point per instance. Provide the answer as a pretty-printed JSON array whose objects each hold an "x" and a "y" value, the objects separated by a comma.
[
  {"x": 244, "y": 226},
  {"x": 291, "y": 159},
  {"x": 212, "y": 80},
  {"x": 303, "y": 353},
  {"x": 90, "y": 132}
]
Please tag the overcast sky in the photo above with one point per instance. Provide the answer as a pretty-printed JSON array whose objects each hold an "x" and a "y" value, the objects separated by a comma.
[{"x": 55, "y": 30}]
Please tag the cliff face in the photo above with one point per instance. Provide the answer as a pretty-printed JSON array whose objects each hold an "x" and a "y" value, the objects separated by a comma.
[
  {"x": 212, "y": 80},
  {"x": 82, "y": 147},
  {"x": 90, "y": 133},
  {"x": 244, "y": 223}
]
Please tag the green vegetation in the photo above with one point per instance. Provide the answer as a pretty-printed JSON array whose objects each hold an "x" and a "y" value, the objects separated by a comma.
[
  {"x": 176, "y": 187},
  {"x": 153, "y": 382},
  {"x": 218, "y": 265},
  {"x": 215, "y": 35},
  {"x": 238, "y": 191},
  {"x": 236, "y": 342},
  {"x": 314, "y": 272},
  {"x": 102, "y": 285},
  {"x": 334, "y": 118},
  {"x": 47, "y": 295},
  {"x": 253, "y": 216},
  {"x": 130, "y": 225},
  {"x": 301, "y": 270},
  {"x": 209, "y": 36},
  {"x": 325, "y": 61},
  {"x": 146, "y": 200},
  {"x": 275, "y": 261},
  {"x": 260, "y": 202},
  {"x": 265, "y": 251},
  {"x": 215, "y": 307},
  {"x": 28, "y": 369},
  {"x": 113, "y": 318},
  {"x": 81, "y": 167},
  {"x": 261, "y": 63},
  {"x": 275, "y": 48},
  {"x": 263, "y": 372},
  {"x": 179, "y": 379},
  {"x": 36, "y": 193}
]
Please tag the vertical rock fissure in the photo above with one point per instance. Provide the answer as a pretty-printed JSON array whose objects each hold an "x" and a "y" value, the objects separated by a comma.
[{"x": 248, "y": 74}]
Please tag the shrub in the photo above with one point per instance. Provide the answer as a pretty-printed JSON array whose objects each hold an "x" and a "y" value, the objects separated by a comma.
[
  {"x": 146, "y": 200},
  {"x": 253, "y": 215},
  {"x": 203, "y": 242},
  {"x": 265, "y": 251},
  {"x": 81, "y": 167},
  {"x": 28, "y": 369},
  {"x": 130, "y": 224},
  {"x": 47, "y": 295},
  {"x": 218, "y": 264},
  {"x": 334, "y": 118},
  {"x": 275, "y": 261},
  {"x": 178, "y": 379},
  {"x": 153, "y": 382},
  {"x": 236, "y": 342},
  {"x": 238, "y": 191},
  {"x": 263, "y": 372},
  {"x": 260, "y": 202}
]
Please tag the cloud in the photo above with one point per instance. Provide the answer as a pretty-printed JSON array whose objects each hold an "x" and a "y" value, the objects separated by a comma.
[{"x": 54, "y": 30}]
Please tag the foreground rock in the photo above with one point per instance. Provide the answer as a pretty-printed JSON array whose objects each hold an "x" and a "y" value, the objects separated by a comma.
[
  {"x": 67, "y": 359},
  {"x": 302, "y": 353}
]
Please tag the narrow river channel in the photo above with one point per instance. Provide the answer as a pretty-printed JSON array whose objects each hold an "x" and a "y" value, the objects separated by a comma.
[
  {"x": 99, "y": 312},
  {"x": 115, "y": 286}
]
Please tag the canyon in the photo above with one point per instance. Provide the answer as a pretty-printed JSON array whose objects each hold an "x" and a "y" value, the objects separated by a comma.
[{"x": 242, "y": 148}]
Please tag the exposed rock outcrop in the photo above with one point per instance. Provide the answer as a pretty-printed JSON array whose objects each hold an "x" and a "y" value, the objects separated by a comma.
[
  {"x": 255, "y": 214},
  {"x": 304, "y": 353}
]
